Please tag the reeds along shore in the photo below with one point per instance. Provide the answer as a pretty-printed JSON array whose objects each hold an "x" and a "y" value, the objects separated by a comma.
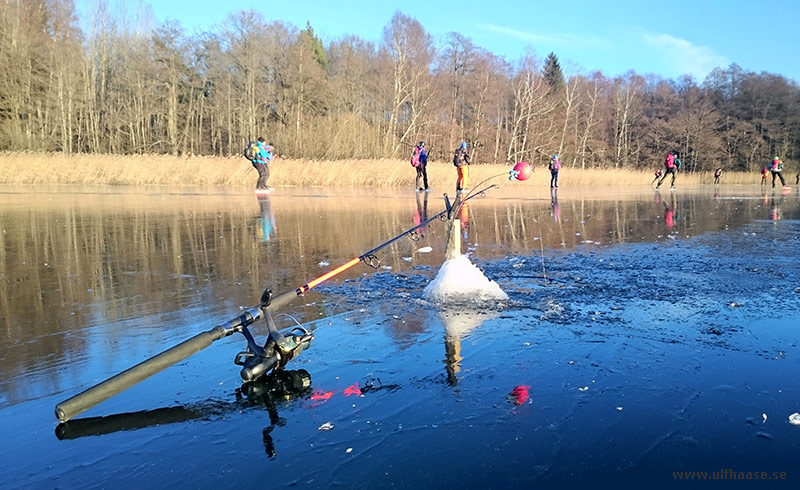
[{"x": 145, "y": 170}]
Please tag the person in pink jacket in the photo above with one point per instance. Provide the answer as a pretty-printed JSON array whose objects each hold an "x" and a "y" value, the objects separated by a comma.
[{"x": 671, "y": 164}]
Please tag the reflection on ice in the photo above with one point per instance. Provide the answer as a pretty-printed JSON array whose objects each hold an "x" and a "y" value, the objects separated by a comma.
[{"x": 457, "y": 325}]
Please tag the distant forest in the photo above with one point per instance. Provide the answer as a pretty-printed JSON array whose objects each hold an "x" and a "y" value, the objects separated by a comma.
[{"x": 128, "y": 87}]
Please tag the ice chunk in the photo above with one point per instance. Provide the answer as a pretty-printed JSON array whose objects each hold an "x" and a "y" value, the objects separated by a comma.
[{"x": 459, "y": 280}]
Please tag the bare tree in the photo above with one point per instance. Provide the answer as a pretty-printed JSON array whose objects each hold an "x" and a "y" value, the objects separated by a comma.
[{"x": 409, "y": 50}]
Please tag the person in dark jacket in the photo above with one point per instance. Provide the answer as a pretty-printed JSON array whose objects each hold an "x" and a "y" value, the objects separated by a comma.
[{"x": 461, "y": 161}]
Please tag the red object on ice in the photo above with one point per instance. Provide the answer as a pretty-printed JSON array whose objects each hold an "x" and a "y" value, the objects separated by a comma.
[
  {"x": 522, "y": 171},
  {"x": 520, "y": 395},
  {"x": 321, "y": 396},
  {"x": 352, "y": 390}
]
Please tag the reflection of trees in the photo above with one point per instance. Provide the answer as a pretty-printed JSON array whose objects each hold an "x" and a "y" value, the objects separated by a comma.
[
  {"x": 75, "y": 261},
  {"x": 516, "y": 224}
]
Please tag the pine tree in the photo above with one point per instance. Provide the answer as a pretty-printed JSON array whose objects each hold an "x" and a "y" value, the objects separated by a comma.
[
  {"x": 317, "y": 49},
  {"x": 552, "y": 72}
]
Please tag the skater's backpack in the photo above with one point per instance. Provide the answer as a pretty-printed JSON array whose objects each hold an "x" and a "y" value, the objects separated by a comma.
[
  {"x": 669, "y": 162},
  {"x": 251, "y": 151},
  {"x": 415, "y": 156}
]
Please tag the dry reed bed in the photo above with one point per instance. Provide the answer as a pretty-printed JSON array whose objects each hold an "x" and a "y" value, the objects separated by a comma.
[{"x": 56, "y": 168}]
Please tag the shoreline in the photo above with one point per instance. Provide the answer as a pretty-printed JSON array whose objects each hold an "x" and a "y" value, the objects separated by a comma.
[{"x": 236, "y": 172}]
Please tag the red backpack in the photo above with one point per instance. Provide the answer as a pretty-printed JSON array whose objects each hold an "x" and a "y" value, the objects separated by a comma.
[{"x": 415, "y": 156}]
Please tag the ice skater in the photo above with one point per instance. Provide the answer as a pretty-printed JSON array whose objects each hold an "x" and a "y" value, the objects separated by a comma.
[
  {"x": 461, "y": 161},
  {"x": 419, "y": 160},
  {"x": 671, "y": 165},
  {"x": 657, "y": 175},
  {"x": 776, "y": 167},
  {"x": 554, "y": 167},
  {"x": 260, "y": 155}
]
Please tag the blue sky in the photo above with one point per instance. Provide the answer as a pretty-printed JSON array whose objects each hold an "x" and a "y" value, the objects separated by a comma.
[{"x": 669, "y": 38}]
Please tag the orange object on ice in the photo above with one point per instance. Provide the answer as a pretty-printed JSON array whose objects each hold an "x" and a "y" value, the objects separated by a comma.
[{"x": 352, "y": 390}]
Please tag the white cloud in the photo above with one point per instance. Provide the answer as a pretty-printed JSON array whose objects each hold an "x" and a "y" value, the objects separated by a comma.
[
  {"x": 562, "y": 39},
  {"x": 683, "y": 57}
]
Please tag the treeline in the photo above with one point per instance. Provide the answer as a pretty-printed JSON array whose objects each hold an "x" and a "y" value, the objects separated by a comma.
[{"x": 128, "y": 87}]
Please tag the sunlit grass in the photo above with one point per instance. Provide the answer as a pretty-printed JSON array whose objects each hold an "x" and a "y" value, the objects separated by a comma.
[{"x": 57, "y": 168}]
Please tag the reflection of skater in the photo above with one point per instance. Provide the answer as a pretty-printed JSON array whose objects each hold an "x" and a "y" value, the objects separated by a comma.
[
  {"x": 764, "y": 173},
  {"x": 776, "y": 167},
  {"x": 421, "y": 215},
  {"x": 419, "y": 160},
  {"x": 657, "y": 175},
  {"x": 671, "y": 165},
  {"x": 463, "y": 216},
  {"x": 717, "y": 174},
  {"x": 267, "y": 220},
  {"x": 556, "y": 211},
  {"x": 669, "y": 213},
  {"x": 774, "y": 211},
  {"x": 554, "y": 167},
  {"x": 461, "y": 161}
]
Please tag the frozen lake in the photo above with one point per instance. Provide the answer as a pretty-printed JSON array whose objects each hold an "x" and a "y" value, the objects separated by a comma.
[{"x": 644, "y": 334}]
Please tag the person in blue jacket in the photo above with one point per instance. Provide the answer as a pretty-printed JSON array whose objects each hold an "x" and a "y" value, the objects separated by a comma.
[
  {"x": 266, "y": 152},
  {"x": 419, "y": 160}
]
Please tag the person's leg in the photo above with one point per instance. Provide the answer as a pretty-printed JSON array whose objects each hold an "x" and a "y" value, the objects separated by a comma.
[
  {"x": 424, "y": 168},
  {"x": 774, "y": 174},
  {"x": 672, "y": 171},
  {"x": 555, "y": 182},
  {"x": 463, "y": 178},
  {"x": 418, "y": 180},
  {"x": 260, "y": 183}
]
